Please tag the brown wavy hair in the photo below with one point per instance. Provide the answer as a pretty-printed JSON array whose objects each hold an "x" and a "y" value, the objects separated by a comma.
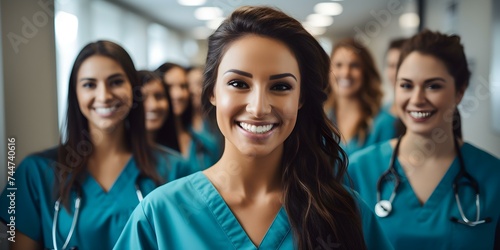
[
  {"x": 313, "y": 164},
  {"x": 370, "y": 94}
]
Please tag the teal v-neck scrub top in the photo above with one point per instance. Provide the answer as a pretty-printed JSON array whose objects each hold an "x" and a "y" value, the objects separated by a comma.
[
  {"x": 102, "y": 214},
  {"x": 412, "y": 225},
  {"x": 190, "y": 214},
  {"x": 382, "y": 129}
]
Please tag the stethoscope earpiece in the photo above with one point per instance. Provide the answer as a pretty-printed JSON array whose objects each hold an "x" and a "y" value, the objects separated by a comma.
[{"x": 383, "y": 208}]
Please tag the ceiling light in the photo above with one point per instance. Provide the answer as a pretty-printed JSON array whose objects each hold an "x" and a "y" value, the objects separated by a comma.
[
  {"x": 331, "y": 9},
  {"x": 215, "y": 23},
  {"x": 318, "y": 20},
  {"x": 315, "y": 31},
  {"x": 409, "y": 20},
  {"x": 207, "y": 13},
  {"x": 191, "y": 2},
  {"x": 201, "y": 33}
]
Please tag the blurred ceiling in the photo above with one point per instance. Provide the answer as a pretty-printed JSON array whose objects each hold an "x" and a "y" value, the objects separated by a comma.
[{"x": 181, "y": 18}]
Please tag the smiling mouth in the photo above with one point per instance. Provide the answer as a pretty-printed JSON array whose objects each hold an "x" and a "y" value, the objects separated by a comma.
[
  {"x": 260, "y": 129},
  {"x": 420, "y": 114},
  {"x": 105, "y": 111},
  {"x": 151, "y": 116},
  {"x": 344, "y": 83}
]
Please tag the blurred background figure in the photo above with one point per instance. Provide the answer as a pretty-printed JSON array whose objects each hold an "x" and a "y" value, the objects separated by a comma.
[
  {"x": 160, "y": 121},
  {"x": 354, "y": 104},
  {"x": 391, "y": 62},
  {"x": 202, "y": 123},
  {"x": 200, "y": 150}
]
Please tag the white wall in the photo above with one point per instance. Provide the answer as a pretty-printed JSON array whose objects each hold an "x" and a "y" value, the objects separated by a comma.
[
  {"x": 473, "y": 23},
  {"x": 3, "y": 139},
  {"x": 29, "y": 77}
]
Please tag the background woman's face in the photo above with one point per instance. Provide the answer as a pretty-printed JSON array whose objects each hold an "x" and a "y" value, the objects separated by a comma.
[
  {"x": 347, "y": 69},
  {"x": 176, "y": 81},
  {"x": 155, "y": 104}
]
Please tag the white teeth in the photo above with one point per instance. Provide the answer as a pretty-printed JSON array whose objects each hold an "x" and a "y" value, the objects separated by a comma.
[
  {"x": 256, "y": 129},
  {"x": 344, "y": 83},
  {"x": 151, "y": 116},
  {"x": 418, "y": 115},
  {"x": 105, "y": 111}
]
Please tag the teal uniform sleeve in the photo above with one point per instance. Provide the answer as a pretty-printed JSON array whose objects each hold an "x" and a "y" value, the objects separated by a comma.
[
  {"x": 19, "y": 203},
  {"x": 138, "y": 232}
]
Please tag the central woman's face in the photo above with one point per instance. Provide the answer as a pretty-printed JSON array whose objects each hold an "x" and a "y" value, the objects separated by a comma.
[{"x": 257, "y": 95}]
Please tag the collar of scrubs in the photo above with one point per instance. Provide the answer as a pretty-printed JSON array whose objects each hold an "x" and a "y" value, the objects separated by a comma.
[{"x": 275, "y": 235}]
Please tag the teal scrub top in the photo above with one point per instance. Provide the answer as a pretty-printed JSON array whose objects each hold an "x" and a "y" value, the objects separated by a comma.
[
  {"x": 204, "y": 151},
  {"x": 411, "y": 225},
  {"x": 102, "y": 214},
  {"x": 382, "y": 129},
  {"x": 190, "y": 214}
]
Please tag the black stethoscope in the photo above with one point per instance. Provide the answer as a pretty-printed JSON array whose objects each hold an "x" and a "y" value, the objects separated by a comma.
[
  {"x": 77, "y": 211},
  {"x": 384, "y": 207}
]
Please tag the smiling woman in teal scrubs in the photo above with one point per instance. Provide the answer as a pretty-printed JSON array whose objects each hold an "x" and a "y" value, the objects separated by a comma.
[
  {"x": 273, "y": 188},
  {"x": 425, "y": 211},
  {"x": 100, "y": 172}
]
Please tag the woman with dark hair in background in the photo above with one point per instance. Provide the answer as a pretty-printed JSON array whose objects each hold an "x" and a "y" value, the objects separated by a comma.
[
  {"x": 391, "y": 63},
  {"x": 430, "y": 189},
  {"x": 81, "y": 193},
  {"x": 160, "y": 122},
  {"x": 278, "y": 184},
  {"x": 201, "y": 151},
  {"x": 355, "y": 99}
]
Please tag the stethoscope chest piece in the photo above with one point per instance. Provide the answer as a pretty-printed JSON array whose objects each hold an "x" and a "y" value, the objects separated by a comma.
[{"x": 383, "y": 208}]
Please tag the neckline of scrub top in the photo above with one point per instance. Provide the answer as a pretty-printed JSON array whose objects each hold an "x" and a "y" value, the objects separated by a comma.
[
  {"x": 127, "y": 176},
  {"x": 275, "y": 235},
  {"x": 444, "y": 186}
]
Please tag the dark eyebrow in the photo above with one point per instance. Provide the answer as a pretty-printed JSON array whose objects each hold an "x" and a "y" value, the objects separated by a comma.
[
  {"x": 278, "y": 76},
  {"x": 93, "y": 79},
  {"x": 434, "y": 79},
  {"x": 273, "y": 77},
  {"x": 239, "y": 72},
  {"x": 427, "y": 80}
]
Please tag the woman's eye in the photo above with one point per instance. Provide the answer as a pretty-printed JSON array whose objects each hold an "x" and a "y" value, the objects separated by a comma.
[
  {"x": 238, "y": 84},
  {"x": 405, "y": 85},
  {"x": 159, "y": 96},
  {"x": 116, "y": 82},
  {"x": 434, "y": 86},
  {"x": 88, "y": 85},
  {"x": 281, "y": 87}
]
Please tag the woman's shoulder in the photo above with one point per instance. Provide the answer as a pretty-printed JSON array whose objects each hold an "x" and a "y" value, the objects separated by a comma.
[
  {"x": 173, "y": 191},
  {"x": 479, "y": 157},
  {"x": 379, "y": 150}
]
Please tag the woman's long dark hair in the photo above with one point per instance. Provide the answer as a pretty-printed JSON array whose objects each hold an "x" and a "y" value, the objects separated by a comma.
[
  {"x": 313, "y": 164},
  {"x": 166, "y": 135},
  {"x": 187, "y": 116},
  {"x": 447, "y": 49},
  {"x": 75, "y": 150}
]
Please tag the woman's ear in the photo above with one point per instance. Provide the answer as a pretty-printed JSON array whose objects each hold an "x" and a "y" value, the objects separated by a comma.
[
  {"x": 459, "y": 95},
  {"x": 212, "y": 99}
]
